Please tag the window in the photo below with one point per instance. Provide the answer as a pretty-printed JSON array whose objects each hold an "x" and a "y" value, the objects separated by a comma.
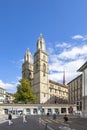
[
  {"x": 44, "y": 57},
  {"x": 36, "y": 57},
  {"x": 36, "y": 66},
  {"x": 35, "y": 111},
  {"x": 44, "y": 95},
  {"x": 50, "y": 89},
  {"x": 27, "y": 57},
  {"x": 44, "y": 69},
  {"x": 63, "y": 110},
  {"x": 41, "y": 44}
]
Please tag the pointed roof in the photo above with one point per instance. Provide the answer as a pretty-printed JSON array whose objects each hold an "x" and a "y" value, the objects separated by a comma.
[
  {"x": 41, "y": 43},
  {"x": 83, "y": 67},
  {"x": 64, "y": 81},
  {"x": 28, "y": 56}
]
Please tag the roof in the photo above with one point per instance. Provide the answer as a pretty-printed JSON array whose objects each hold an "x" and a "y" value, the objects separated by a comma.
[
  {"x": 83, "y": 67},
  {"x": 80, "y": 76},
  {"x": 2, "y": 88},
  {"x": 56, "y": 83}
]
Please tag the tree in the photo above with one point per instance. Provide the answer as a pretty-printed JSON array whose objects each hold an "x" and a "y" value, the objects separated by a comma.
[{"x": 24, "y": 92}]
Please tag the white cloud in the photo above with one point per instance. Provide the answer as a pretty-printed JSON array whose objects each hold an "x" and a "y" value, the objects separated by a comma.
[
  {"x": 78, "y": 37},
  {"x": 50, "y": 50},
  {"x": 85, "y": 38},
  {"x": 70, "y": 60},
  {"x": 56, "y": 76},
  {"x": 74, "y": 52},
  {"x": 64, "y": 44},
  {"x": 8, "y": 86},
  {"x": 70, "y": 68}
]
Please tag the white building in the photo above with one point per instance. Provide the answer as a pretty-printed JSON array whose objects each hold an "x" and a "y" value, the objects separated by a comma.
[
  {"x": 2, "y": 95},
  {"x": 83, "y": 69}
]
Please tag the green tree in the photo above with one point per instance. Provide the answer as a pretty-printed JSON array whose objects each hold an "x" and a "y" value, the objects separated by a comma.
[{"x": 24, "y": 92}]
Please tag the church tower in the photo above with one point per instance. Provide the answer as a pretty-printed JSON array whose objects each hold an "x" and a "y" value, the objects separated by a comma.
[
  {"x": 40, "y": 85},
  {"x": 64, "y": 81},
  {"x": 27, "y": 66}
]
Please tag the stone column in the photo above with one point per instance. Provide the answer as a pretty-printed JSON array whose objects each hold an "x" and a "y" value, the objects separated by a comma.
[
  {"x": 45, "y": 111},
  {"x": 67, "y": 111},
  {"x": 59, "y": 110},
  {"x": 52, "y": 111},
  {"x": 24, "y": 110},
  {"x": 31, "y": 111}
]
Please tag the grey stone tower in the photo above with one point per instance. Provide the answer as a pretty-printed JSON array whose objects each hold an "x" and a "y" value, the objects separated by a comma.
[
  {"x": 27, "y": 66},
  {"x": 40, "y": 81}
]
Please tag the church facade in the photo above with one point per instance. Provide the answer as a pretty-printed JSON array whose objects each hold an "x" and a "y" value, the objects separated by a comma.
[{"x": 36, "y": 69}]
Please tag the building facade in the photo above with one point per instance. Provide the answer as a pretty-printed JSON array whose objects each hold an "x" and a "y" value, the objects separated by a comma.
[
  {"x": 36, "y": 109},
  {"x": 36, "y": 70},
  {"x": 75, "y": 92},
  {"x": 83, "y": 69},
  {"x": 2, "y": 95},
  {"x": 9, "y": 98}
]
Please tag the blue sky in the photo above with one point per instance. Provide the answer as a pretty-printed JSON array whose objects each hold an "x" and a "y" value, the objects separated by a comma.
[{"x": 63, "y": 24}]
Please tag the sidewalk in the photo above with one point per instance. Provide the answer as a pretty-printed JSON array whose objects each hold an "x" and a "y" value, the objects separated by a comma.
[
  {"x": 4, "y": 118},
  {"x": 31, "y": 124}
]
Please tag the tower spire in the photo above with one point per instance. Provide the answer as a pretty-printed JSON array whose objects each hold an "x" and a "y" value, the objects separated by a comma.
[
  {"x": 64, "y": 81},
  {"x": 28, "y": 56},
  {"x": 41, "y": 43}
]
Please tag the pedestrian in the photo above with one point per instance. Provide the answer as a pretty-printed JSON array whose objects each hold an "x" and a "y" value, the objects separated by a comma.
[
  {"x": 24, "y": 118},
  {"x": 54, "y": 116},
  {"x": 65, "y": 118},
  {"x": 10, "y": 118}
]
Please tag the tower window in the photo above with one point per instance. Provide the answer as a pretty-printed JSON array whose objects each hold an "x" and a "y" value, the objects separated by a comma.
[
  {"x": 27, "y": 57},
  {"x": 36, "y": 57},
  {"x": 41, "y": 44},
  {"x": 44, "y": 57},
  {"x": 44, "y": 69},
  {"x": 44, "y": 95},
  {"x": 36, "y": 66}
]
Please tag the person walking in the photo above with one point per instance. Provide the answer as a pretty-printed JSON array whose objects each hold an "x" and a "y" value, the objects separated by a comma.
[
  {"x": 10, "y": 119},
  {"x": 24, "y": 118},
  {"x": 65, "y": 118}
]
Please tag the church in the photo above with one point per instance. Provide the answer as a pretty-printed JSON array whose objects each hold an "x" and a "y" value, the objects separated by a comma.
[{"x": 36, "y": 69}]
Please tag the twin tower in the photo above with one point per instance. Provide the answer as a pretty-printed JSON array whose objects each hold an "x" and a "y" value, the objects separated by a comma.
[{"x": 36, "y": 70}]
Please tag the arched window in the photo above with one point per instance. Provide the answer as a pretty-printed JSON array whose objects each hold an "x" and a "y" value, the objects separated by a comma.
[
  {"x": 44, "y": 69},
  {"x": 36, "y": 66},
  {"x": 44, "y": 57},
  {"x": 41, "y": 44},
  {"x": 27, "y": 57}
]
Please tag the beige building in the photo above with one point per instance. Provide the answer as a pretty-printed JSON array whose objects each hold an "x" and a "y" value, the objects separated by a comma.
[
  {"x": 2, "y": 95},
  {"x": 36, "y": 70},
  {"x": 75, "y": 92},
  {"x": 77, "y": 89},
  {"x": 9, "y": 98},
  {"x": 36, "y": 109}
]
